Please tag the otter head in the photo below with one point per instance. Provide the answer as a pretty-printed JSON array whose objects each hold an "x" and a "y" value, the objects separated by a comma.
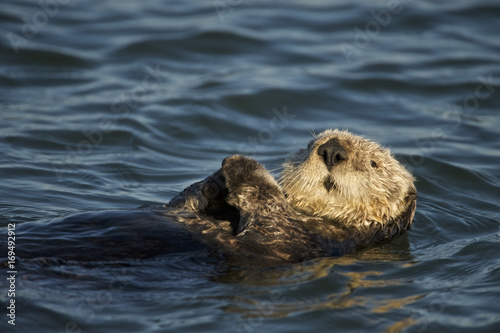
[{"x": 351, "y": 180}]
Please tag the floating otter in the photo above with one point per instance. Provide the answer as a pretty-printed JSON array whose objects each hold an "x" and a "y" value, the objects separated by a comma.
[{"x": 340, "y": 193}]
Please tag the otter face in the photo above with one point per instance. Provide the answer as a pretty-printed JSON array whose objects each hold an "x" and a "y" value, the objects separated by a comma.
[{"x": 346, "y": 178}]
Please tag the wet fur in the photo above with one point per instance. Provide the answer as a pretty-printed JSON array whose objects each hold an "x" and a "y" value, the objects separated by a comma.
[
  {"x": 241, "y": 213},
  {"x": 314, "y": 212},
  {"x": 369, "y": 188}
]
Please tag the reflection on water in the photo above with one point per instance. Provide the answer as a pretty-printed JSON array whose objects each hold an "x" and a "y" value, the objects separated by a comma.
[{"x": 336, "y": 287}]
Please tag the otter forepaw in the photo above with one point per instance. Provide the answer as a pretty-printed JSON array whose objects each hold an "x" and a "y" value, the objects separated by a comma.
[
  {"x": 240, "y": 171},
  {"x": 203, "y": 196},
  {"x": 249, "y": 184}
]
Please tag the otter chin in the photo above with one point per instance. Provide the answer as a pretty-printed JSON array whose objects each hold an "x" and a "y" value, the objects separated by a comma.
[{"x": 346, "y": 178}]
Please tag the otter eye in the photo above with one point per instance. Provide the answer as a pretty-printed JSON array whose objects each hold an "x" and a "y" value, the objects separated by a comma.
[{"x": 373, "y": 164}]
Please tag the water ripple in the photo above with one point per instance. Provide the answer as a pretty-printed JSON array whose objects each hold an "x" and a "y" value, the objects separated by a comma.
[{"x": 121, "y": 104}]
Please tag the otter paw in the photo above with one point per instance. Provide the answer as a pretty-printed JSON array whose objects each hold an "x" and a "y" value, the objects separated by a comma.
[{"x": 240, "y": 171}]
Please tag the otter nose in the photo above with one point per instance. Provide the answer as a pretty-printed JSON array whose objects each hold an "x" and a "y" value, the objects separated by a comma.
[{"x": 332, "y": 152}]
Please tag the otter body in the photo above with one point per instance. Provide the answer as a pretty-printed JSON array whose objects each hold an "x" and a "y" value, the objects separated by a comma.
[
  {"x": 340, "y": 193},
  {"x": 105, "y": 236},
  {"x": 266, "y": 227}
]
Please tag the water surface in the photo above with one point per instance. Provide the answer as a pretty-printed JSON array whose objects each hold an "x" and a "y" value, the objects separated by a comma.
[{"x": 113, "y": 104}]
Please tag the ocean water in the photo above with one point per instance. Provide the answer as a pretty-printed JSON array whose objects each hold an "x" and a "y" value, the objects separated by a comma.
[{"x": 116, "y": 104}]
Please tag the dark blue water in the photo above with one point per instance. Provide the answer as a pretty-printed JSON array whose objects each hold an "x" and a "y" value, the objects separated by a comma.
[{"x": 115, "y": 104}]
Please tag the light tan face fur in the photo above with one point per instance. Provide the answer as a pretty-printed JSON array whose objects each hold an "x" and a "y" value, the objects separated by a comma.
[{"x": 368, "y": 186}]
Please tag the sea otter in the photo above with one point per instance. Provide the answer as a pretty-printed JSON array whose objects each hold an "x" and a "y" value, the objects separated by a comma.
[{"x": 338, "y": 194}]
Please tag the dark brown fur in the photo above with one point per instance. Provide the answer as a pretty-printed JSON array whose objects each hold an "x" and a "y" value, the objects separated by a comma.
[
  {"x": 239, "y": 212},
  {"x": 248, "y": 217}
]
